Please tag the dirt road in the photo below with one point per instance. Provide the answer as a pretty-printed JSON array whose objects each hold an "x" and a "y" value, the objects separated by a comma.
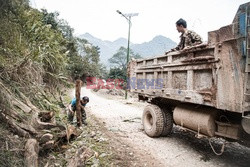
[{"x": 123, "y": 120}]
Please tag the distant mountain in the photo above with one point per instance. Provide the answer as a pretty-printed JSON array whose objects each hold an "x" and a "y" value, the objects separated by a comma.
[{"x": 157, "y": 46}]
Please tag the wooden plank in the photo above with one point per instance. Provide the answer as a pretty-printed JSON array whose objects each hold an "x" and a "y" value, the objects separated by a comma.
[
  {"x": 78, "y": 104},
  {"x": 183, "y": 68},
  {"x": 155, "y": 61},
  {"x": 178, "y": 65},
  {"x": 176, "y": 53},
  {"x": 170, "y": 59},
  {"x": 175, "y": 94},
  {"x": 190, "y": 80},
  {"x": 169, "y": 81},
  {"x": 31, "y": 153}
]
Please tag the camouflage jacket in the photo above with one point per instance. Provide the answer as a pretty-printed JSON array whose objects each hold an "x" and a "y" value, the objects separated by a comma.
[{"x": 189, "y": 38}]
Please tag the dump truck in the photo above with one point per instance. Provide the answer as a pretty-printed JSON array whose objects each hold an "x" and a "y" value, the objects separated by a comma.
[{"x": 205, "y": 88}]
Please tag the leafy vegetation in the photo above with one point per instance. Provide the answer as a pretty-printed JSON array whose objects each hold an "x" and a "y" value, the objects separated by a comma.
[
  {"x": 38, "y": 57},
  {"x": 38, "y": 51},
  {"x": 119, "y": 59},
  {"x": 119, "y": 63}
]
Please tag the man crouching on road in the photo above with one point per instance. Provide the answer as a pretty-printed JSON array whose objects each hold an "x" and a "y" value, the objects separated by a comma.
[
  {"x": 188, "y": 38},
  {"x": 72, "y": 109}
]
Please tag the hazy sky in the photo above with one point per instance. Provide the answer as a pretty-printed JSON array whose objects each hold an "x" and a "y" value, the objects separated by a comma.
[{"x": 156, "y": 17}]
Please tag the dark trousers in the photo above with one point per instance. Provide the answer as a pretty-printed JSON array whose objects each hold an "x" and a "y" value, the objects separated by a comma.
[{"x": 71, "y": 115}]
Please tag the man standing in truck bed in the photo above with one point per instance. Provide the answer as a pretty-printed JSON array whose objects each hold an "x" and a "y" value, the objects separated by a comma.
[{"x": 188, "y": 38}]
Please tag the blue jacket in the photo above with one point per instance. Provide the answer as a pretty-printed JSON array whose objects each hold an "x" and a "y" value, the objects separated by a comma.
[{"x": 73, "y": 103}]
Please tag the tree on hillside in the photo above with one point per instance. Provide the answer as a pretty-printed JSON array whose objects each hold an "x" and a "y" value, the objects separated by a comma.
[
  {"x": 90, "y": 56},
  {"x": 119, "y": 63},
  {"x": 117, "y": 73},
  {"x": 119, "y": 59},
  {"x": 50, "y": 18},
  {"x": 83, "y": 57}
]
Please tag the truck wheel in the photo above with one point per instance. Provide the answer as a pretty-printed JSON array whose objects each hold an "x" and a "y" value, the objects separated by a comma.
[
  {"x": 168, "y": 122},
  {"x": 153, "y": 120}
]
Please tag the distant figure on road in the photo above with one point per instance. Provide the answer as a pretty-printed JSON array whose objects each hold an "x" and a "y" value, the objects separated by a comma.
[
  {"x": 188, "y": 38},
  {"x": 72, "y": 109}
]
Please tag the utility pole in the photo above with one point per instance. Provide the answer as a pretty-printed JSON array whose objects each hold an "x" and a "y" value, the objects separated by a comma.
[{"x": 128, "y": 17}]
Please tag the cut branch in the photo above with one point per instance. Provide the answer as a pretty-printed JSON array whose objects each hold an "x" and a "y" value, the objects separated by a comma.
[
  {"x": 78, "y": 105},
  {"x": 31, "y": 153}
]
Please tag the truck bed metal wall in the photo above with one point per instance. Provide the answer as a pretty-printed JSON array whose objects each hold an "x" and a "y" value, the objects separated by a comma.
[{"x": 211, "y": 74}]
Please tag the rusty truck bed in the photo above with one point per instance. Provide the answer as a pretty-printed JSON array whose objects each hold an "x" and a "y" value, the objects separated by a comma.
[{"x": 212, "y": 74}]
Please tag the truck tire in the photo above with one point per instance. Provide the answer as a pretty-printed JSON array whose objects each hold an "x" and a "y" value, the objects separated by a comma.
[
  {"x": 168, "y": 122},
  {"x": 153, "y": 120}
]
